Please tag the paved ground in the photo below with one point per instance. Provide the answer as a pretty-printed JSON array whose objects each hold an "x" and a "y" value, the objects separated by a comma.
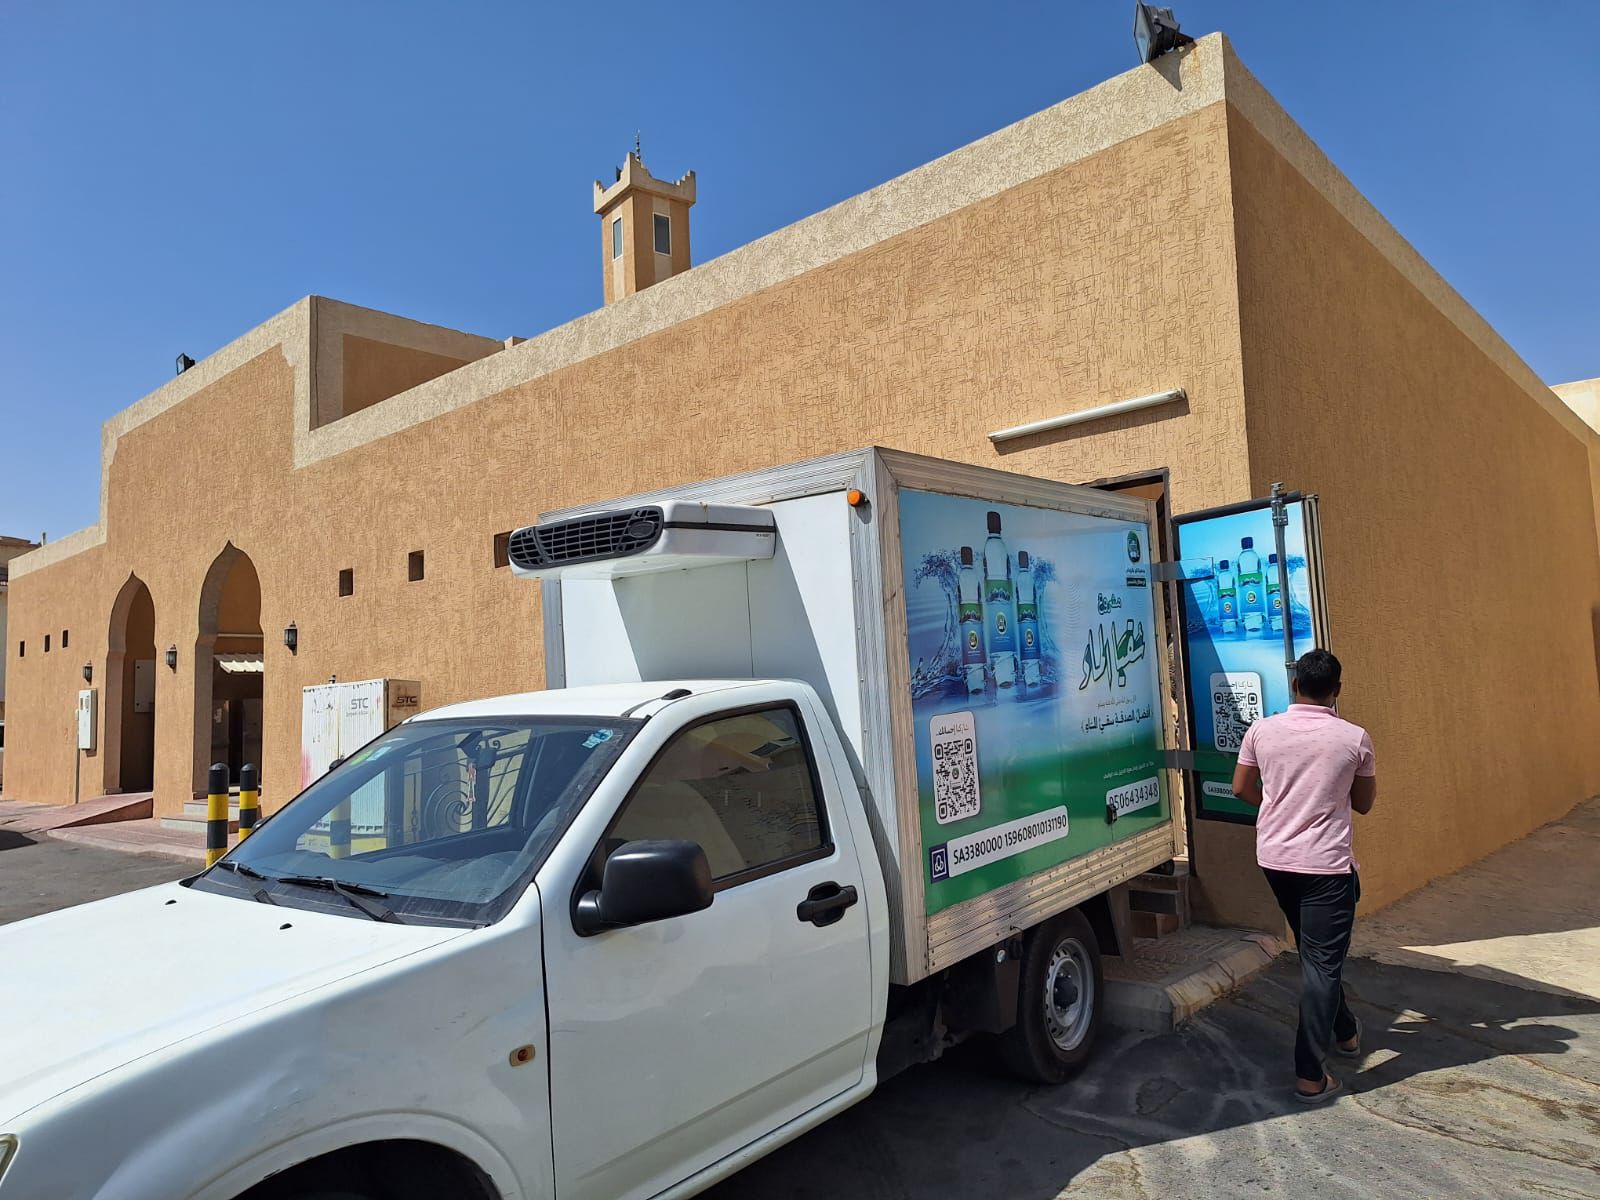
[
  {"x": 1480, "y": 1084},
  {"x": 39, "y": 875},
  {"x": 1530, "y": 911}
]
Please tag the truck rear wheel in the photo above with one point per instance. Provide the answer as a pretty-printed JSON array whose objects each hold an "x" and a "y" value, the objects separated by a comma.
[{"x": 1058, "y": 1007}]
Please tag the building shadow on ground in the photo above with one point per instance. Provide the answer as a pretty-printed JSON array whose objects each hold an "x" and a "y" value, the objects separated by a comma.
[
  {"x": 961, "y": 1130},
  {"x": 12, "y": 840}
]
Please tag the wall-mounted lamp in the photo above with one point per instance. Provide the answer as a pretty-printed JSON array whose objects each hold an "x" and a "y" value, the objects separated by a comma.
[
  {"x": 291, "y": 638},
  {"x": 88, "y": 672},
  {"x": 172, "y": 658}
]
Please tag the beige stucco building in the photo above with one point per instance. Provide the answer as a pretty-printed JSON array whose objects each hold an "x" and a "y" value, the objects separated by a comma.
[
  {"x": 1172, "y": 227},
  {"x": 10, "y": 547}
]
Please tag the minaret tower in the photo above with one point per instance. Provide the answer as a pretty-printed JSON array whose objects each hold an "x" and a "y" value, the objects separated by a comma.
[{"x": 644, "y": 227}]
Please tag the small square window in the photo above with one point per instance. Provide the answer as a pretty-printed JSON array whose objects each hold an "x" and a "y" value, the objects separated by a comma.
[
  {"x": 63, "y": 639},
  {"x": 502, "y": 549},
  {"x": 347, "y": 582},
  {"x": 616, "y": 237},
  {"x": 663, "y": 234},
  {"x": 414, "y": 566}
]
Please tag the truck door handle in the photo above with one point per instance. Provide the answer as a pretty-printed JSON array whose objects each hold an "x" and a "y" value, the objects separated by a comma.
[{"x": 826, "y": 903}]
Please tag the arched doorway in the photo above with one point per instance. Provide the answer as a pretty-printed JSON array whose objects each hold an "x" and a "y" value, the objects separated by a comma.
[
  {"x": 229, "y": 667},
  {"x": 130, "y": 690}
]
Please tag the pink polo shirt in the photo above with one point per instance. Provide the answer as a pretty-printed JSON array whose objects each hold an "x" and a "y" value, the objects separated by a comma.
[{"x": 1308, "y": 757}]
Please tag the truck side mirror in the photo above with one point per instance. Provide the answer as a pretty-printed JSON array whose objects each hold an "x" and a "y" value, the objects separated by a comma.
[{"x": 646, "y": 881}]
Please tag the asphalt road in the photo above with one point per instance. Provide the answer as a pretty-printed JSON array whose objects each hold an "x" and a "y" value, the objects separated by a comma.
[
  {"x": 38, "y": 874},
  {"x": 1472, "y": 1087}
]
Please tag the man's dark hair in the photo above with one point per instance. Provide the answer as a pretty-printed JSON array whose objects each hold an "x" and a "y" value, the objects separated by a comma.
[{"x": 1317, "y": 672}]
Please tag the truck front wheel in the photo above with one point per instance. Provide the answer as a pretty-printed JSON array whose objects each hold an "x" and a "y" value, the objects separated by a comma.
[{"x": 1058, "y": 1006}]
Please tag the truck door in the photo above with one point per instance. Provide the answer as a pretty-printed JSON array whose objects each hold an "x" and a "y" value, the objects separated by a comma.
[
  {"x": 675, "y": 1044},
  {"x": 1251, "y": 581}
]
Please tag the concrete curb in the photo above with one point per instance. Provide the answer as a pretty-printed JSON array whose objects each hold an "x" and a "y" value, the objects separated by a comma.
[{"x": 1144, "y": 998}]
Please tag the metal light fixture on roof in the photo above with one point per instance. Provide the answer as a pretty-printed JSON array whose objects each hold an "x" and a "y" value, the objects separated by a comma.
[
  {"x": 88, "y": 672},
  {"x": 291, "y": 638},
  {"x": 184, "y": 363},
  {"x": 172, "y": 658},
  {"x": 1155, "y": 31}
]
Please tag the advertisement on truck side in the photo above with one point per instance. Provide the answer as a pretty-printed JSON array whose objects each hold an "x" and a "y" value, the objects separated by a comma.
[{"x": 1035, "y": 688}]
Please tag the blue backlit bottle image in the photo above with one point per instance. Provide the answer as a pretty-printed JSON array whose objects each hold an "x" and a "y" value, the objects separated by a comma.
[
  {"x": 1227, "y": 599},
  {"x": 971, "y": 623},
  {"x": 1251, "y": 595},
  {"x": 1274, "y": 596},
  {"x": 1027, "y": 621},
  {"x": 999, "y": 608}
]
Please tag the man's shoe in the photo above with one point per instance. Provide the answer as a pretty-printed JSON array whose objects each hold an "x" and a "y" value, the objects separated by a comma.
[{"x": 1331, "y": 1087}]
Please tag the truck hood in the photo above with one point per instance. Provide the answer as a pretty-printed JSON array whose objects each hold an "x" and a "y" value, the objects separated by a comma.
[{"x": 87, "y": 990}]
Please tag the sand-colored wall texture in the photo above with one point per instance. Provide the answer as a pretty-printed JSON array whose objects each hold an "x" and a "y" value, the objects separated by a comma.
[
  {"x": 1458, "y": 532},
  {"x": 1105, "y": 278}
]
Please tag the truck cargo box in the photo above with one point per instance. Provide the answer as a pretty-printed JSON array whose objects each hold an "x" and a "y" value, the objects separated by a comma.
[{"x": 992, "y": 647}]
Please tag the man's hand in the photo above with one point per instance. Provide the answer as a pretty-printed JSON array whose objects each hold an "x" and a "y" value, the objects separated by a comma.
[
  {"x": 1363, "y": 792},
  {"x": 1247, "y": 784}
]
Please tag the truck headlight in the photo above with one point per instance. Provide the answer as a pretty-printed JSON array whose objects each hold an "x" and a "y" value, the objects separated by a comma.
[{"x": 8, "y": 1151}]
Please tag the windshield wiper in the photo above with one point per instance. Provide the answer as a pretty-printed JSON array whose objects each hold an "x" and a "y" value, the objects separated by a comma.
[
  {"x": 355, "y": 893},
  {"x": 240, "y": 868}
]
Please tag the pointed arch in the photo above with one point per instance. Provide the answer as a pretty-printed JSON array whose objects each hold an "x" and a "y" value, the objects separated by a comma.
[
  {"x": 128, "y": 712},
  {"x": 227, "y": 664}
]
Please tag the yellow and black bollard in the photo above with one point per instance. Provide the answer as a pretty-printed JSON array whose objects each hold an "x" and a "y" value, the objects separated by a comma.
[
  {"x": 249, "y": 799},
  {"x": 339, "y": 830},
  {"x": 217, "y": 813}
]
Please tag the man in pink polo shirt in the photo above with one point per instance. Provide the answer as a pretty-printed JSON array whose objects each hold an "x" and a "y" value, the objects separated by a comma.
[{"x": 1307, "y": 769}]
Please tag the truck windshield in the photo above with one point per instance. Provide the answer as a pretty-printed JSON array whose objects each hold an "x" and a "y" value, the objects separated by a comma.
[{"x": 434, "y": 821}]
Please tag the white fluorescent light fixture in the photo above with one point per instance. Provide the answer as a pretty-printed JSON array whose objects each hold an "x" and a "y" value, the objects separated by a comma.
[
  {"x": 241, "y": 664},
  {"x": 1090, "y": 414}
]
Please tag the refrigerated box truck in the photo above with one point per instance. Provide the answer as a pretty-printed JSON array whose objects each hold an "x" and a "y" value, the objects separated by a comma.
[
  {"x": 987, "y": 645},
  {"x": 839, "y": 764}
]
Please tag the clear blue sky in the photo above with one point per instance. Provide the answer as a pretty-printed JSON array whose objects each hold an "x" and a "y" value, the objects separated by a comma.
[{"x": 172, "y": 175}]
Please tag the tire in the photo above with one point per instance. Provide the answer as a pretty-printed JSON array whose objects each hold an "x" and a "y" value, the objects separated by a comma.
[{"x": 1059, "y": 1004}]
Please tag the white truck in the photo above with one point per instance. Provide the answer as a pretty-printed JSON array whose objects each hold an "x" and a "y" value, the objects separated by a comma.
[{"x": 841, "y": 763}]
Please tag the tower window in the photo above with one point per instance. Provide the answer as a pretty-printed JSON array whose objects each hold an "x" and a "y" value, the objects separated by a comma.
[
  {"x": 47, "y": 643},
  {"x": 414, "y": 566},
  {"x": 347, "y": 582},
  {"x": 64, "y": 633},
  {"x": 616, "y": 237},
  {"x": 502, "y": 549},
  {"x": 663, "y": 234}
]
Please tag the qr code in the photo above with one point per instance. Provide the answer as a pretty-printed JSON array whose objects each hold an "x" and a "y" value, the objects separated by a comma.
[
  {"x": 1235, "y": 706},
  {"x": 955, "y": 767}
]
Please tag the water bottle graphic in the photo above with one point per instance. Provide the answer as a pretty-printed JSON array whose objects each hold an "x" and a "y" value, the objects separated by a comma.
[
  {"x": 1227, "y": 599},
  {"x": 1027, "y": 620},
  {"x": 1251, "y": 595},
  {"x": 1274, "y": 596},
  {"x": 999, "y": 606},
  {"x": 971, "y": 623}
]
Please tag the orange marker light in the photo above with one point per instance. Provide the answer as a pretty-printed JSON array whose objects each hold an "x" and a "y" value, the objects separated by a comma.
[{"x": 854, "y": 498}]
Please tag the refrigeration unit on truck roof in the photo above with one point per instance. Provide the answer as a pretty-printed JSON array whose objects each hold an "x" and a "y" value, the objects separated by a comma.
[{"x": 666, "y": 536}]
